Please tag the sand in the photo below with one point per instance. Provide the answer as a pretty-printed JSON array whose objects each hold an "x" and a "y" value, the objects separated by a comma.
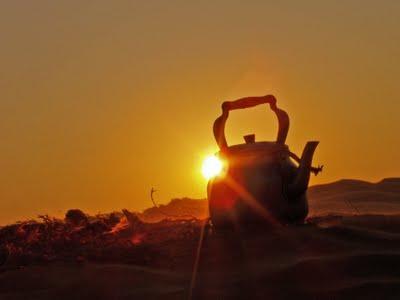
[
  {"x": 353, "y": 257},
  {"x": 340, "y": 254}
]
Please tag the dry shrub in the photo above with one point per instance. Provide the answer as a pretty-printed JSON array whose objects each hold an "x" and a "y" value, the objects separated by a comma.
[{"x": 116, "y": 237}]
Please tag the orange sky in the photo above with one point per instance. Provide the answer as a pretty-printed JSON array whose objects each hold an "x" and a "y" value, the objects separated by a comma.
[{"x": 102, "y": 100}]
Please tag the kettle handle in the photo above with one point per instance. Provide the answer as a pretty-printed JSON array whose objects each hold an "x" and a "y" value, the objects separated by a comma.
[{"x": 227, "y": 106}]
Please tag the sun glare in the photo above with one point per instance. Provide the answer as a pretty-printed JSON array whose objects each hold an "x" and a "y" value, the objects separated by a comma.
[{"x": 212, "y": 166}]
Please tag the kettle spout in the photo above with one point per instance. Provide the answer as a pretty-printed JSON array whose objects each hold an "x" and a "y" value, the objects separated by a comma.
[{"x": 300, "y": 182}]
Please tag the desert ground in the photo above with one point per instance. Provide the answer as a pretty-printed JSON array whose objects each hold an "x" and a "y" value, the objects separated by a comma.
[{"x": 348, "y": 249}]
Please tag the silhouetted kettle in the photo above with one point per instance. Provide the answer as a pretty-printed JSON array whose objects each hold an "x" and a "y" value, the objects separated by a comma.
[{"x": 260, "y": 182}]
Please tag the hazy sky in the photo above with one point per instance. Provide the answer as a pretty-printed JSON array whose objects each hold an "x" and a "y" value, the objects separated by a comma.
[{"x": 102, "y": 100}]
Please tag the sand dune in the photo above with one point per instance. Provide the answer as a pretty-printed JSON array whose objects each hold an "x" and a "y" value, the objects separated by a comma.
[
  {"x": 341, "y": 197},
  {"x": 182, "y": 208},
  {"x": 355, "y": 197}
]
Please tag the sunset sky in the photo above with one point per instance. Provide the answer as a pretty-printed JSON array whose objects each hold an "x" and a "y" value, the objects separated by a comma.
[{"x": 102, "y": 100}]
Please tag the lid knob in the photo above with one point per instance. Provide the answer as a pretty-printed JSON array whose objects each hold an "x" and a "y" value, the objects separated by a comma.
[{"x": 250, "y": 138}]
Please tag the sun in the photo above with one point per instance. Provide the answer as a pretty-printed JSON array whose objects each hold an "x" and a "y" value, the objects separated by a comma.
[{"x": 212, "y": 166}]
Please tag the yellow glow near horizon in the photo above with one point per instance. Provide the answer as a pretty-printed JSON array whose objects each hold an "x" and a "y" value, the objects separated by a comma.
[{"x": 212, "y": 166}]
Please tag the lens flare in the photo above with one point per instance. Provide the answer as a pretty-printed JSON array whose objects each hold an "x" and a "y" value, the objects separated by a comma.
[{"x": 212, "y": 166}]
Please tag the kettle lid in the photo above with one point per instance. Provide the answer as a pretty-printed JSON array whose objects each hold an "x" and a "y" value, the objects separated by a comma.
[{"x": 256, "y": 148}]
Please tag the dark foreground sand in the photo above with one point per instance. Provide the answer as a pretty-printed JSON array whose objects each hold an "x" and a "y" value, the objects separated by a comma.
[{"x": 352, "y": 257}]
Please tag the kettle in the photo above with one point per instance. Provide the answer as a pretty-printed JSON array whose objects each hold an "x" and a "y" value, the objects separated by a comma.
[{"x": 262, "y": 182}]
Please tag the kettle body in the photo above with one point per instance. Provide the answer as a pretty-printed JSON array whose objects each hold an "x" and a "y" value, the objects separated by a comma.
[{"x": 260, "y": 183}]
